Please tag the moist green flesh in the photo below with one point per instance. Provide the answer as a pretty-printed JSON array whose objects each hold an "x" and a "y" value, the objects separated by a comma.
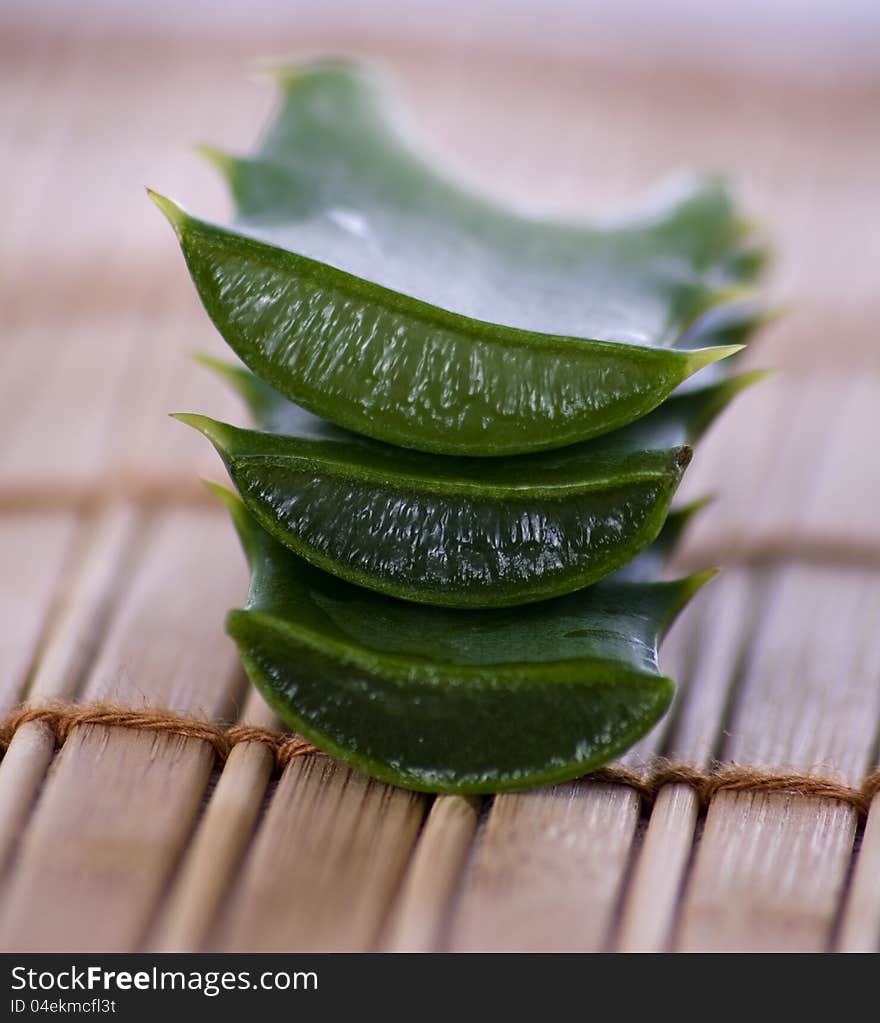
[
  {"x": 389, "y": 367},
  {"x": 457, "y": 734},
  {"x": 465, "y": 552},
  {"x": 448, "y": 700},
  {"x": 460, "y": 532},
  {"x": 374, "y": 292}
]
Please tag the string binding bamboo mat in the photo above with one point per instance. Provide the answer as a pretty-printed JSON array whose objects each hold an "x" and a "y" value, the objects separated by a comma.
[
  {"x": 117, "y": 574},
  {"x": 646, "y": 779}
]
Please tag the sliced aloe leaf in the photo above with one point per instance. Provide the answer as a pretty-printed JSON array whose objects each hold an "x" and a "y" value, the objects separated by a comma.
[
  {"x": 448, "y": 701},
  {"x": 452, "y": 531},
  {"x": 373, "y": 291},
  {"x": 648, "y": 564},
  {"x": 339, "y": 174}
]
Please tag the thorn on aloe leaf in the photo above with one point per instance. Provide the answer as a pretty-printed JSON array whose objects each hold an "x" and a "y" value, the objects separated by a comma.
[
  {"x": 174, "y": 213},
  {"x": 206, "y": 426},
  {"x": 702, "y": 357},
  {"x": 218, "y": 158}
]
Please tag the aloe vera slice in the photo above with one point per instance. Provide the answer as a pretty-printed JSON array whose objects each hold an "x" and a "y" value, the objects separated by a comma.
[
  {"x": 459, "y": 532},
  {"x": 448, "y": 701},
  {"x": 376, "y": 293},
  {"x": 650, "y": 562}
]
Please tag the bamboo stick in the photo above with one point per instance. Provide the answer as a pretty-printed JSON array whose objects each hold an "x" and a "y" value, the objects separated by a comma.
[
  {"x": 821, "y": 506},
  {"x": 216, "y": 850},
  {"x": 423, "y": 903},
  {"x": 166, "y": 636},
  {"x": 96, "y": 851},
  {"x": 770, "y": 869},
  {"x": 85, "y": 605},
  {"x": 116, "y": 812},
  {"x": 219, "y": 844},
  {"x": 719, "y": 628},
  {"x": 38, "y": 164},
  {"x": 768, "y": 875},
  {"x": 325, "y": 862},
  {"x": 548, "y": 871},
  {"x": 844, "y": 492},
  {"x": 860, "y": 924},
  {"x": 22, "y": 772},
  {"x": 651, "y": 899},
  {"x": 32, "y": 551},
  {"x": 73, "y": 636}
]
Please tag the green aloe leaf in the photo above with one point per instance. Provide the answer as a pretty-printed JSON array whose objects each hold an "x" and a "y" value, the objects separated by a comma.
[
  {"x": 459, "y": 532},
  {"x": 448, "y": 701},
  {"x": 372, "y": 290},
  {"x": 649, "y": 563}
]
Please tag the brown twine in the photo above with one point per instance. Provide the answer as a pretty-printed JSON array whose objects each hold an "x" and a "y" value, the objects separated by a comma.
[
  {"x": 733, "y": 777},
  {"x": 61, "y": 719}
]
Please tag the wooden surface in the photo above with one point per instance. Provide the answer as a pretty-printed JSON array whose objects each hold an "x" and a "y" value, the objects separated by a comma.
[{"x": 116, "y": 572}]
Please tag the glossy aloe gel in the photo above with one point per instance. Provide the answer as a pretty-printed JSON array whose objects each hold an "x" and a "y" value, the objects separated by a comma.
[
  {"x": 460, "y": 532},
  {"x": 453, "y": 701},
  {"x": 474, "y": 414}
]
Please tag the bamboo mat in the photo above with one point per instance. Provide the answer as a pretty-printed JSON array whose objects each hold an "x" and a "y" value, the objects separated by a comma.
[{"x": 116, "y": 573}]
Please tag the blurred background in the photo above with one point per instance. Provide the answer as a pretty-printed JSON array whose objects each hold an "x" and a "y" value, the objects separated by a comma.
[{"x": 572, "y": 107}]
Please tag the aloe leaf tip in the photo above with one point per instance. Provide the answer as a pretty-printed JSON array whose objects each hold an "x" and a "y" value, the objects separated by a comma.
[
  {"x": 695, "y": 582},
  {"x": 175, "y": 214},
  {"x": 212, "y": 362},
  {"x": 241, "y": 520},
  {"x": 224, "y": 494},
  {"x": 210, "y": 428},
  {"x": 218, "y": 158},
  {"x": 189, "y": 418},
  {"x": 286, "y": 74},
  {"x": 702, "y": 357},
  {"x": 685, "y": 589},
  {"x": 743, "y": 381},
  {"x": 694, "y": 507}
]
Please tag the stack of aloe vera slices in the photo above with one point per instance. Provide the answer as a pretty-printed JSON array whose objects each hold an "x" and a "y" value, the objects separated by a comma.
[{"x": 469, "y": 428}]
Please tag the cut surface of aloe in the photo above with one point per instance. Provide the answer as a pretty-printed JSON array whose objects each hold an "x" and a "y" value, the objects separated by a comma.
[
  {"x": 367, "y": 287},
  {"x": 459, "y": 532},
  {"x": 448, "y": 701}
]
